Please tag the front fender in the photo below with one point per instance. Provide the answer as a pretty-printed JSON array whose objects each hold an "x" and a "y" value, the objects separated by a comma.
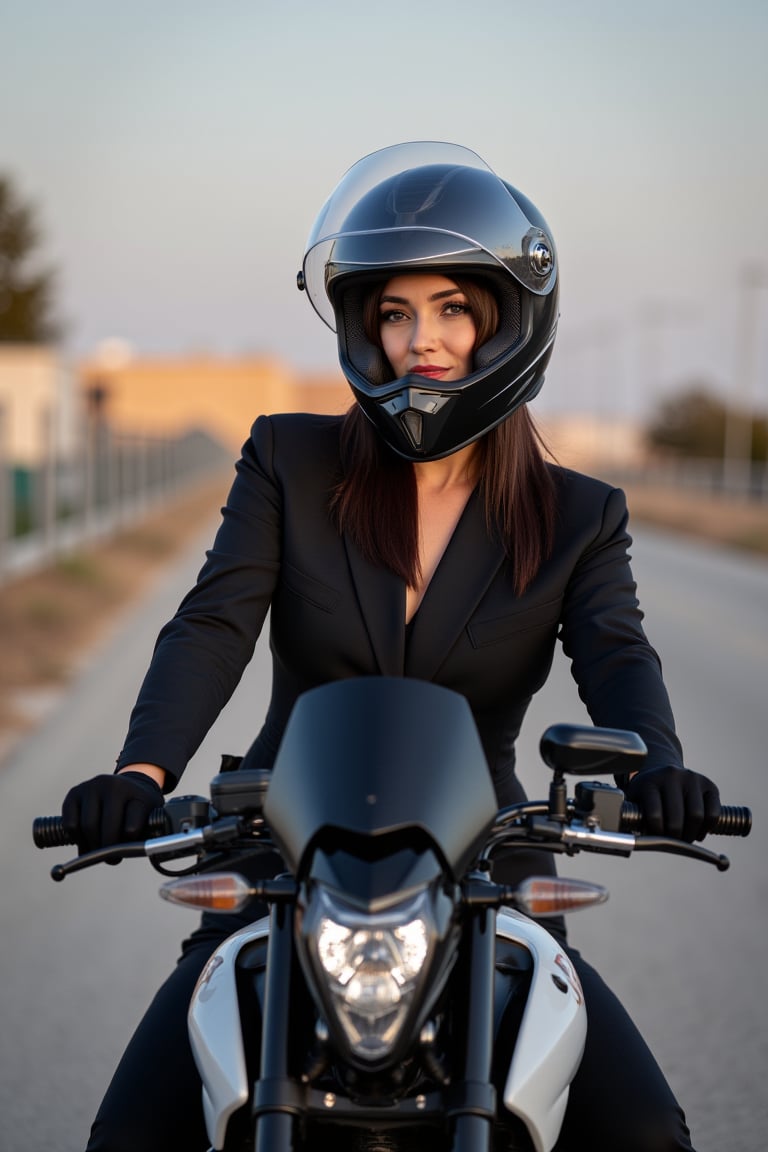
[
  {"x": 215, "y": 1033},
  {"x": 551, "y": 1036}
]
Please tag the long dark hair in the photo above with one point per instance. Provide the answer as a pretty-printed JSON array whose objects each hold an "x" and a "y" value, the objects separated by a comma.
[{"x": 376, "y": 501}]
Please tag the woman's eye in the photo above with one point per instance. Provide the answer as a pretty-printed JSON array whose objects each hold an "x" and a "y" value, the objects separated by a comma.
[
  {"x": 393, "y": 315},
  {"x": 456, "y": 308}
]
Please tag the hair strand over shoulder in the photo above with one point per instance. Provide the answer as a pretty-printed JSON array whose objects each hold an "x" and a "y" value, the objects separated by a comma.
[{"x": 376, "y": 500}]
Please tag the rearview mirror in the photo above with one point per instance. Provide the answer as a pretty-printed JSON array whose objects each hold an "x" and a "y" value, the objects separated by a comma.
[{"x": 584, "y": 751}]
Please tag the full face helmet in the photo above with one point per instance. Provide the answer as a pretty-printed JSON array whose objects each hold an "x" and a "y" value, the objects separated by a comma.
[{"x": 436, "y": 208}]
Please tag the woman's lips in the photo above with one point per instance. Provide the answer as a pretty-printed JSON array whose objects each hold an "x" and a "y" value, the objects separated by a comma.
[{"x": 434, "y": 371}]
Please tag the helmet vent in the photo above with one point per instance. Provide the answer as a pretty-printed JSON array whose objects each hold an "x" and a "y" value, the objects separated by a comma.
[{"x": 414, "y": 426}]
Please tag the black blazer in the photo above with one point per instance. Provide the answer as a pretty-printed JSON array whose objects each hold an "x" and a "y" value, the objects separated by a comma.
[{"x": 335, "y": 615}]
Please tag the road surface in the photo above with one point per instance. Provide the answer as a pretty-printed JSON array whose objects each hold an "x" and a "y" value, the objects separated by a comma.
[{"x": 682, "y": 944}]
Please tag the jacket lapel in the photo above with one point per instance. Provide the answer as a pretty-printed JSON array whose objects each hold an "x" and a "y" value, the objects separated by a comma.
[
  {"x": 466, "y": 569},
  {"x": 381, "y": 597}
]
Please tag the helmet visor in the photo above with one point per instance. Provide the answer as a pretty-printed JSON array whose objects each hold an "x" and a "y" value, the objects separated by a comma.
[{"x": 418, "y": 203}]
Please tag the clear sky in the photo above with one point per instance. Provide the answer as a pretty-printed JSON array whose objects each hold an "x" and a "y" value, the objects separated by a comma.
[{"x": 178, "y": 151}]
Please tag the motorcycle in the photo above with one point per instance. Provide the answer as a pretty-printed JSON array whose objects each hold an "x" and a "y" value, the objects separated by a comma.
[{"x": 395, "y": 997}]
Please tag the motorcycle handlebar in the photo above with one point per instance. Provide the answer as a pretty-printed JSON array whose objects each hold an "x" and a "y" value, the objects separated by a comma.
[
  {"x": 734, "y": 820},
  {"x": 48, "y": 831}
]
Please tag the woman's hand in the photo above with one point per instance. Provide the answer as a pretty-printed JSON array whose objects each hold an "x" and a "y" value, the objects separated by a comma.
[
  {"x": 110, "y": 809},
  {"x": 675, "y": 802}
]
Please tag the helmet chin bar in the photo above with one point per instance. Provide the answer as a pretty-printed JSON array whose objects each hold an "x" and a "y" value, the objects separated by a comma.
[{"x": 421, "y": 424}]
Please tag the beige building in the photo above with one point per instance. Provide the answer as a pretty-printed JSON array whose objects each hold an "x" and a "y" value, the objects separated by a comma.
[
  {"x": 171, "y": 396},
  {"x": 589, "y": 443},
  {"x": 221, "y": 396},
  {"x": 39, "y": 404}
]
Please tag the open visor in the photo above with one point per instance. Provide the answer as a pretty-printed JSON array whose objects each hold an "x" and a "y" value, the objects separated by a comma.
[{"x": 419, "y": 203}]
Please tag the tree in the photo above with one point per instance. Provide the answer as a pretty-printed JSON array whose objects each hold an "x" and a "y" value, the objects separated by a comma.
[
  {"x": 26, "y": 290},
  {"x": 693, "y": 422}
]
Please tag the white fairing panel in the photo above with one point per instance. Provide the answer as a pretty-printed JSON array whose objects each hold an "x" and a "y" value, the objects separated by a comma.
[
  {"x": 552, "y": 1033},
  {"x": 215, "y": 1033}
]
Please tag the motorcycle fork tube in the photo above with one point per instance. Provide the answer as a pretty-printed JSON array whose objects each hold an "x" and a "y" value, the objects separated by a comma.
[
  {"x": 276, "y": 1103},
  {"x": 474, "y": 1109}
]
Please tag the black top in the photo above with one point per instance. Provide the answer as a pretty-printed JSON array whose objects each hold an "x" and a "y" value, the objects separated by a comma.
[{"x": 334, "y": 615}]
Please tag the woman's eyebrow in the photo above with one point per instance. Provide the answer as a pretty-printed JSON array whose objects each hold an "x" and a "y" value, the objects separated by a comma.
[
  {"x": 435, "y": 296},
  {"x": 446, "y": 292}
]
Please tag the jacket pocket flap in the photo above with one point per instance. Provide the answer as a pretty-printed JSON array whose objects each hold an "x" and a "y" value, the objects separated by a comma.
[{"x": 482, "y": 632}]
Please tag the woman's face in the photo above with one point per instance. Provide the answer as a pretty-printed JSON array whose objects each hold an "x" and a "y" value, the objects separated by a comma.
[{"x": 426, "y": 327}]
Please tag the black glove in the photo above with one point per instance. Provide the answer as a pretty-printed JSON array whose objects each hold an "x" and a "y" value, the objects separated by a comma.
[
  {"x": 675, "y": 802},
  {"x": 110, "y": 809}
]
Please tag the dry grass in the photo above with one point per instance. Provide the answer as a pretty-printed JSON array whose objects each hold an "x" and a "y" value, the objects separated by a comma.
[
  {"x": 734, "y": 523},
  {"x": 51, "y": 620}
]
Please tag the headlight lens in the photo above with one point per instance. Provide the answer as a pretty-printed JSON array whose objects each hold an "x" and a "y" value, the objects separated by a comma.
[{"x": 370, "y": 966}]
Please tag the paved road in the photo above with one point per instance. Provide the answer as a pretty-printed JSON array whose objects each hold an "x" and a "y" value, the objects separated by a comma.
[{"x": 683, "y": 944}]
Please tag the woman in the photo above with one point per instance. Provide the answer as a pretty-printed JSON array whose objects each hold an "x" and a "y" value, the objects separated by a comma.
[{"x": 423, "y": 535}]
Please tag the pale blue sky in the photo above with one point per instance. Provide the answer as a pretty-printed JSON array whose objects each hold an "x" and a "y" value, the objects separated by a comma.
[{"x": 179, "y": 150}]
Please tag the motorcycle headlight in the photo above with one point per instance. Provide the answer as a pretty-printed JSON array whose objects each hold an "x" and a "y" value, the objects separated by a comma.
[{"x": 368, "y": 967}]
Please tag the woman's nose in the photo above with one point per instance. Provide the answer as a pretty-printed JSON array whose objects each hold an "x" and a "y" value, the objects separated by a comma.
[{"x": 424, "y": 334}]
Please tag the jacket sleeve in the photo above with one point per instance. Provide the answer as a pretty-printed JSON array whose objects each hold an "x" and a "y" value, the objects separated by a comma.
[
  {"x": 617, "y": 671},
  {"x": 201, "y": 654}
]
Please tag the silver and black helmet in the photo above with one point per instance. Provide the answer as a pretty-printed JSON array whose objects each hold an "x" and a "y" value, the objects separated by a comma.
[{"x": 432, "y": 207}]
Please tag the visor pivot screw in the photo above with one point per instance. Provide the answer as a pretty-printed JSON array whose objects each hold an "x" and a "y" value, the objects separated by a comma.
[
  {"x": 300, "y": 280},
  {"x": 540, "y": 257}
]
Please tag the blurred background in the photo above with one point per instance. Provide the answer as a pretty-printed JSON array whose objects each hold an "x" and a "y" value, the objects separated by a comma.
[
  {"x": 161, "y": 165},
  {"x": 160, "y": 168}
]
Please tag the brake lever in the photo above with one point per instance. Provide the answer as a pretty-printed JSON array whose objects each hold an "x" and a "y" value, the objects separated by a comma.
[
  {"x": 98, "y": 856},
  {"x": 682, "y": 848},
  {"x": 196, "y": 840}
]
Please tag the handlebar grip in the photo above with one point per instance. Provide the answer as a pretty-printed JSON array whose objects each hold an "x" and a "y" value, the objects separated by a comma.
[
  {"x": 734, "y": 820},
  {"x": 48, "y": 831}
]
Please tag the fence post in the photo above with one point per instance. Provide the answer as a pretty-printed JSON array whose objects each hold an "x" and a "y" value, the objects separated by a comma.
[{"x": 46, "y": 509}]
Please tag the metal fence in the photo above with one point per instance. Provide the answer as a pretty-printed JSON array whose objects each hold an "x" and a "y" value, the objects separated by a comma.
[
  {"x": 112, "y": 480},
  {"x": 735, "y": 480}
]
